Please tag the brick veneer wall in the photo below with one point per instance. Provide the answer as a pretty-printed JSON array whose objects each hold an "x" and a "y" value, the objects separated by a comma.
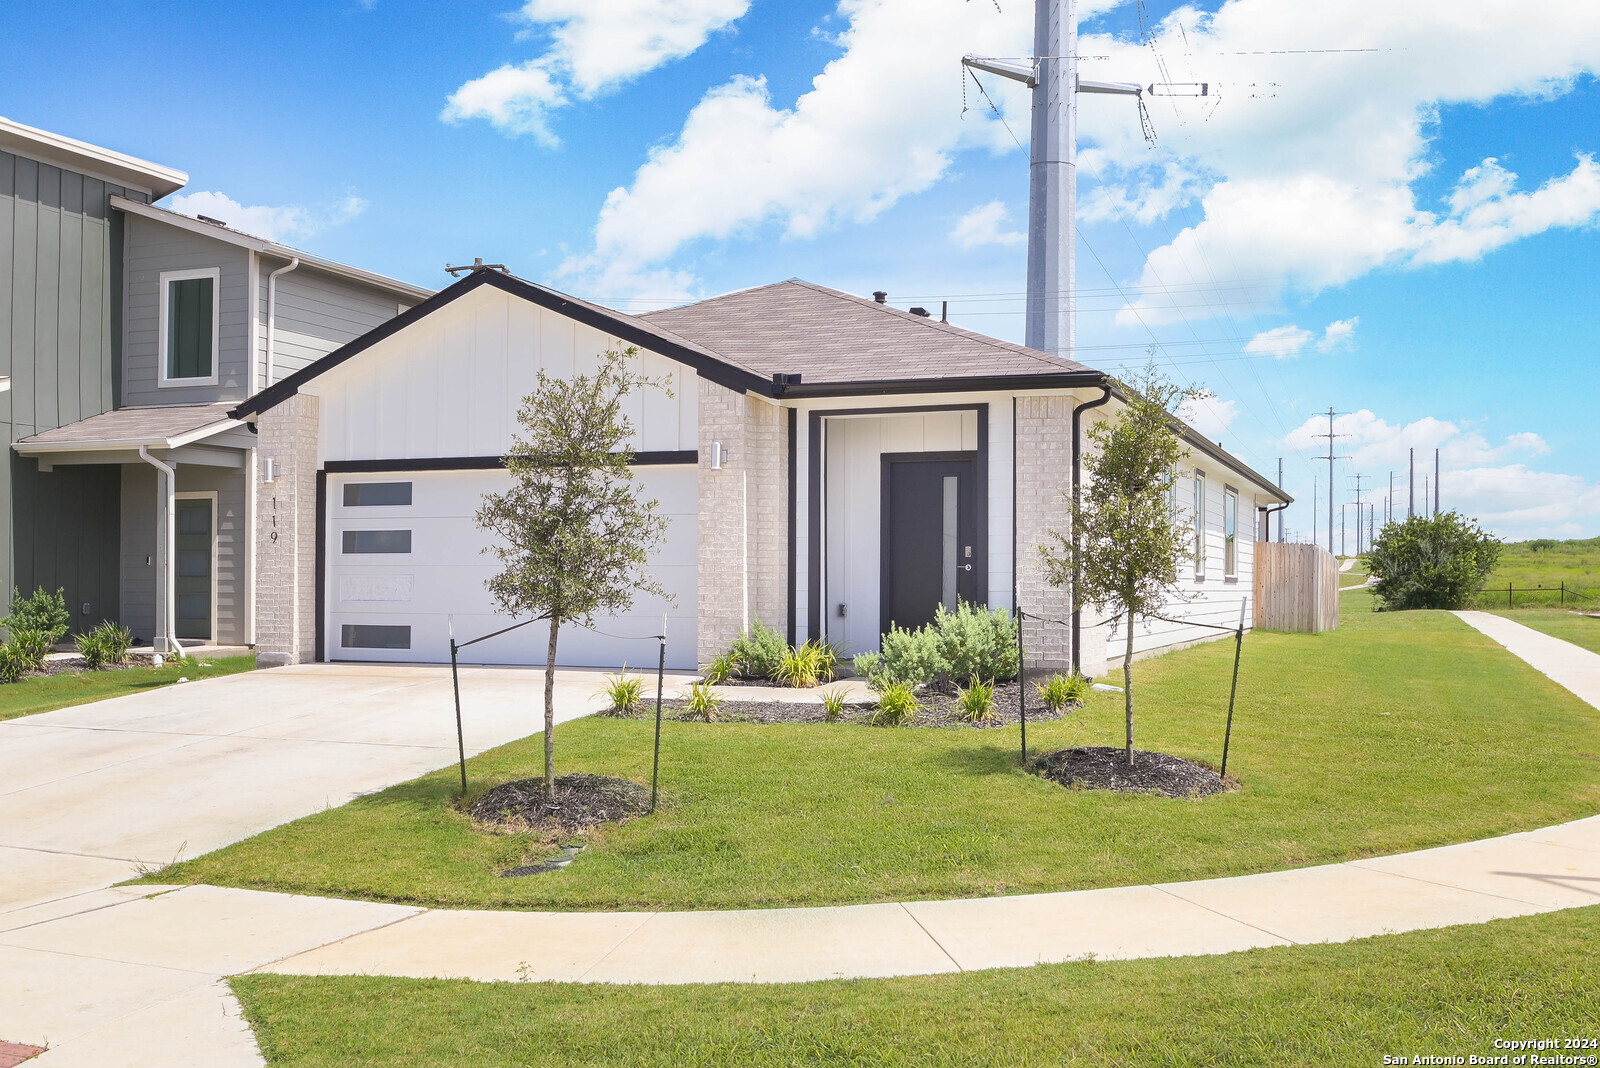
[
  {"x": 286, "y": 565},
  {"x": 1044, "y": 481},
  {"x": 743, "y": 551}
]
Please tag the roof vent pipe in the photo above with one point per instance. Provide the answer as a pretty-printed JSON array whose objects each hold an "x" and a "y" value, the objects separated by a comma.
[{"x": 880, "y": 296}]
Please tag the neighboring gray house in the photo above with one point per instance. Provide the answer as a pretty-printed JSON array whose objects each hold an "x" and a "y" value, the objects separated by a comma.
[{"x": 129, "y": 332}]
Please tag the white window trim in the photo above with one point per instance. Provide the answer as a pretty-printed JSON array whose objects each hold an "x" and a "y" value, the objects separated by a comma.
[
  {"x": 167, "y": 277},
  {"x": 216, "y": 531},
  {"x": 1199, "y": 505},
  {"x": 1229, "y": 493}
]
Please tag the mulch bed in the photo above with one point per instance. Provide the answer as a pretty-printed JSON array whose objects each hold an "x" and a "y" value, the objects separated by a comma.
[
  {"x": 939, "y": 710},
  {"x": 76, "y": 665},
  {"x": 581, "y": 801},
  {"x": 1104, "y": 768}
]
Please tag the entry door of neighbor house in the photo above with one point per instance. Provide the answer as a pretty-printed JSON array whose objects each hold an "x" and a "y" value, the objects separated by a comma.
[
  {"x": 196, "y": 550},
  {"x": 931, "y": 554}
]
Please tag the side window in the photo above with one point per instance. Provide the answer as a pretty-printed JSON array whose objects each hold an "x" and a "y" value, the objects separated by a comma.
[
  {"x": 1199, "y": 524},
  {"x": 1230, "y": 533},
  {"x": 188, "y": 327}
]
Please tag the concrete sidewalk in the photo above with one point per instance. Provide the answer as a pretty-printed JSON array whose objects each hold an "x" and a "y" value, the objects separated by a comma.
[{"x": 1572, "y": 666}]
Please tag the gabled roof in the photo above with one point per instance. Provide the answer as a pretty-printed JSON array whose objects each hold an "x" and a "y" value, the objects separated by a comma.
[
  {"x": 837, "y": 339},
  {"x": 227, "y": 234},
  {"x": 115, "y": 167},
  {"x": 162, "y": 427}
]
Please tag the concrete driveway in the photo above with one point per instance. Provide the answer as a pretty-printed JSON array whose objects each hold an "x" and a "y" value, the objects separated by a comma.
[{"x": 90, "y": 795}]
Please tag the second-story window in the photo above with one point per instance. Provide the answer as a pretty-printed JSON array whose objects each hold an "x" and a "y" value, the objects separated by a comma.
[{"x": 189, "y": 327}]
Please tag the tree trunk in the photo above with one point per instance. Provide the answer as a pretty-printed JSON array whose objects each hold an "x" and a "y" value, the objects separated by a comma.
[
  {"x": 550, "y": 708},
  {"x": 1127, "y": 688}
]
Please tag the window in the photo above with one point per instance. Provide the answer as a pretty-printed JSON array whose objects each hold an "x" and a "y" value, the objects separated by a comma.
[
  {"x": 1199, "y": 525},
  {"x": 189, "y": 327},
  {"x": 377, "y": 541},
  {"x": 374, "y": 494},
  {"x": 1230, "y": 533},
  {"x": 374, "y": 636}
]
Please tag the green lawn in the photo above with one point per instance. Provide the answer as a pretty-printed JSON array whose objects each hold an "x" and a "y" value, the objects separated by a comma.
[
  {"x": 1395, "y": 732},
  {"x": 43, "y": 693},
  {"x": 1531, "y": 564},
  {"x": 1559, "y": 623},
  {"x": 1356, "y": 576},
  {"x": 1449, "y": 992}
]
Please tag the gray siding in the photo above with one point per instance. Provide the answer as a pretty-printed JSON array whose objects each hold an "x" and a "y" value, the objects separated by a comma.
[
  {"x": 140, "y": 528},
  {"x": 317, "y": 313},
  {"x": 58, "y": 281},
  {"x": 138, "y": 557},
  {"x": 151, "y": 249}
]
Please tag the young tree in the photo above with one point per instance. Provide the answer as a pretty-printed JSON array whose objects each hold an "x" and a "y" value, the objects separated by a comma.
[
  {"x": 574, "y": 531},
  {"x": 1437, "y": 561},
  {"x": 1125, "y": 542}
]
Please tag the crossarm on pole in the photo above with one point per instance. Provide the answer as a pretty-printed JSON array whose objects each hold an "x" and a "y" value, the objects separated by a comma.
[
  {"x": 1025, "y": 71},
  {"x": 1112, "y": 88}
]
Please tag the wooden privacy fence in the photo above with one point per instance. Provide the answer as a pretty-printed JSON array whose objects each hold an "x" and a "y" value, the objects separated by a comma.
[{"x": 1297, "y": 587}]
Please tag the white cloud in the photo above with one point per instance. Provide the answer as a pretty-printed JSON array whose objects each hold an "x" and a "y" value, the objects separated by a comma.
[
  {"x": 594, "y": 46},
  {"x": 1339, "y": 332},
  {"x": 1310, "y": 182},
  {"x": 1209, "y": 414},
  {"x": 1280, "y": 341},
  {"x": 982, "y": 226},
  {"x": 1490, "y": 482},
  {"x": 286, "y": 222},
  {"x": 880, "y": 122}
]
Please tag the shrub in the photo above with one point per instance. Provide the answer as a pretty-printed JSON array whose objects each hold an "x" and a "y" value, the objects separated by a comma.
[
  {"x": 975, "y": 702},
  {"x": 31, "y": 644},
  {"x": 806, "y": 665},
  {"x": 897, "y": 705},
  {"x": 867, "y": 665},
  {"x": 911, "y": 656},
  {"x": 1059, "y": 691},
  {"x": 105, "y": 644},
  {"x": 1438, "y": 561},
  {"x": 14, "y": 662},
  {"x": 44, "y": 613},
  {"x": 702, "y": 702},
  {"x": 969, "y": 642},
  {"x": 758, "y": 652},
  {"x": 625, "y": 692},
  {"x": 719, "y": 670},
  {"x": 833, "y": 704}
]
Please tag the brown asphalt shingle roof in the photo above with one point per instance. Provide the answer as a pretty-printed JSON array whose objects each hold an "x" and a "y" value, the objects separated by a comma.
[
  {"x": 135, "y": 426},
  {"x": 828, "y": 336}
]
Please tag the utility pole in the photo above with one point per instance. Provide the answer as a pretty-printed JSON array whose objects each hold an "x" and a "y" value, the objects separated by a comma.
[
  {"x": 1314, "y": 516},
  {"x": 1411, "y": 503},
  {"x": 1360, "y": 515},
  {"x": 1052, "y": 74},
  {"x": 1330, "y": 435},
  {"x": 1342, "y": 545},
  {"x": 1435, "y": 481},
  {"x": 1280, "y": 514}
]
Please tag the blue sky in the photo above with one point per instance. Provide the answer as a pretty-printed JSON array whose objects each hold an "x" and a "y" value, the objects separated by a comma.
[{"x": 1404, "y": 230}]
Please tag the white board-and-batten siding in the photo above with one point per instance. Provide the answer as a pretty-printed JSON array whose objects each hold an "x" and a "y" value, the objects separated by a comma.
[{"x": 451, "y": 384}]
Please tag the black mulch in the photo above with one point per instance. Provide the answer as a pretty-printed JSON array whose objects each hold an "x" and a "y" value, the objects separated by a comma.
[
  {"x": 1104, "y": 768},
  {"x": 939, "y": 710},
  {"x": 580, "y": 802},
  {"x": 76, "y": 665}
]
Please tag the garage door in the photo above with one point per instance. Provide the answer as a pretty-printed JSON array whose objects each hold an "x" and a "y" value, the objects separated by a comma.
[{"x": 405, "y": 560}]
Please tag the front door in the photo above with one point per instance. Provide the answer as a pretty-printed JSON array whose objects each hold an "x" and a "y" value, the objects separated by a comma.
[
  {"x": 931, "y": 554},
  {"x": 196, "y": 527}
]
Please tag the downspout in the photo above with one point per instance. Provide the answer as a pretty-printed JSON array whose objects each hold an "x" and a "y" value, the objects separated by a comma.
[
  {"x": 272, "y": 315},
  {"x": 1077, "y": 480},
  {"x": 169, "y": 581},
  {"x": 1270, "y": 512}
]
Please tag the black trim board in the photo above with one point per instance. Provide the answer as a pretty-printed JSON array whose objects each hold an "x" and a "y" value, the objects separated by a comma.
[
  {"x": 322, "y": 563},
  {"x": 814, "y": 477},
  {"x": 663, "y": 458},
  {"x": 625, "y": 327},
  {"x": 794, "y": 460},
  {"x": 984, "y": 383}
]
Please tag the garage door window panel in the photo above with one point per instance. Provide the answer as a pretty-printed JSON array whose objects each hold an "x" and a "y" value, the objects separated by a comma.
[
  {"x": 374, "y": 636},
  {"x": 371, "y": 542},
  {"x": 377, "y": 494}
]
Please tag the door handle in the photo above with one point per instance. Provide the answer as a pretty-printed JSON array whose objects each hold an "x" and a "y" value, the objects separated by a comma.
[{"x": 965, "y": 567}]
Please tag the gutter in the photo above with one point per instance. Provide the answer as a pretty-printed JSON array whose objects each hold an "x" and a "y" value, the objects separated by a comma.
[
  {"x": 869, "y": 387},
  {"x": 170, "y": 579},
  {"x": 272, "y": 312},
  {"x": 1077, "y": 493}
]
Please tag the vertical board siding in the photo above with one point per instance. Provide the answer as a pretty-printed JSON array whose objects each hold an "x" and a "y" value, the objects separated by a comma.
[
  {"x": 1296, "y": 588},
  {"x": 57, "y": 276}
]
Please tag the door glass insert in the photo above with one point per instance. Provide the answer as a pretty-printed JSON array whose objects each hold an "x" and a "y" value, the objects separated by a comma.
[{"x": 952, "y": 535}]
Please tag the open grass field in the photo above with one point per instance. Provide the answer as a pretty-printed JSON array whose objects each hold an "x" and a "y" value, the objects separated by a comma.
[
  {"x": 1449, "y": 992},
  {"x": 44, "y": 693},
  {"x": 1397, "y": 731},
  {"x": 1560, "y": 623},
  {"x": 1531, "y": 564}
]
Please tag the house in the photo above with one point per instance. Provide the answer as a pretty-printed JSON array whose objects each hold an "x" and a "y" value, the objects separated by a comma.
[
  {"x": 128, "y": 333},
  {"x": 827, "y": 464}
]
